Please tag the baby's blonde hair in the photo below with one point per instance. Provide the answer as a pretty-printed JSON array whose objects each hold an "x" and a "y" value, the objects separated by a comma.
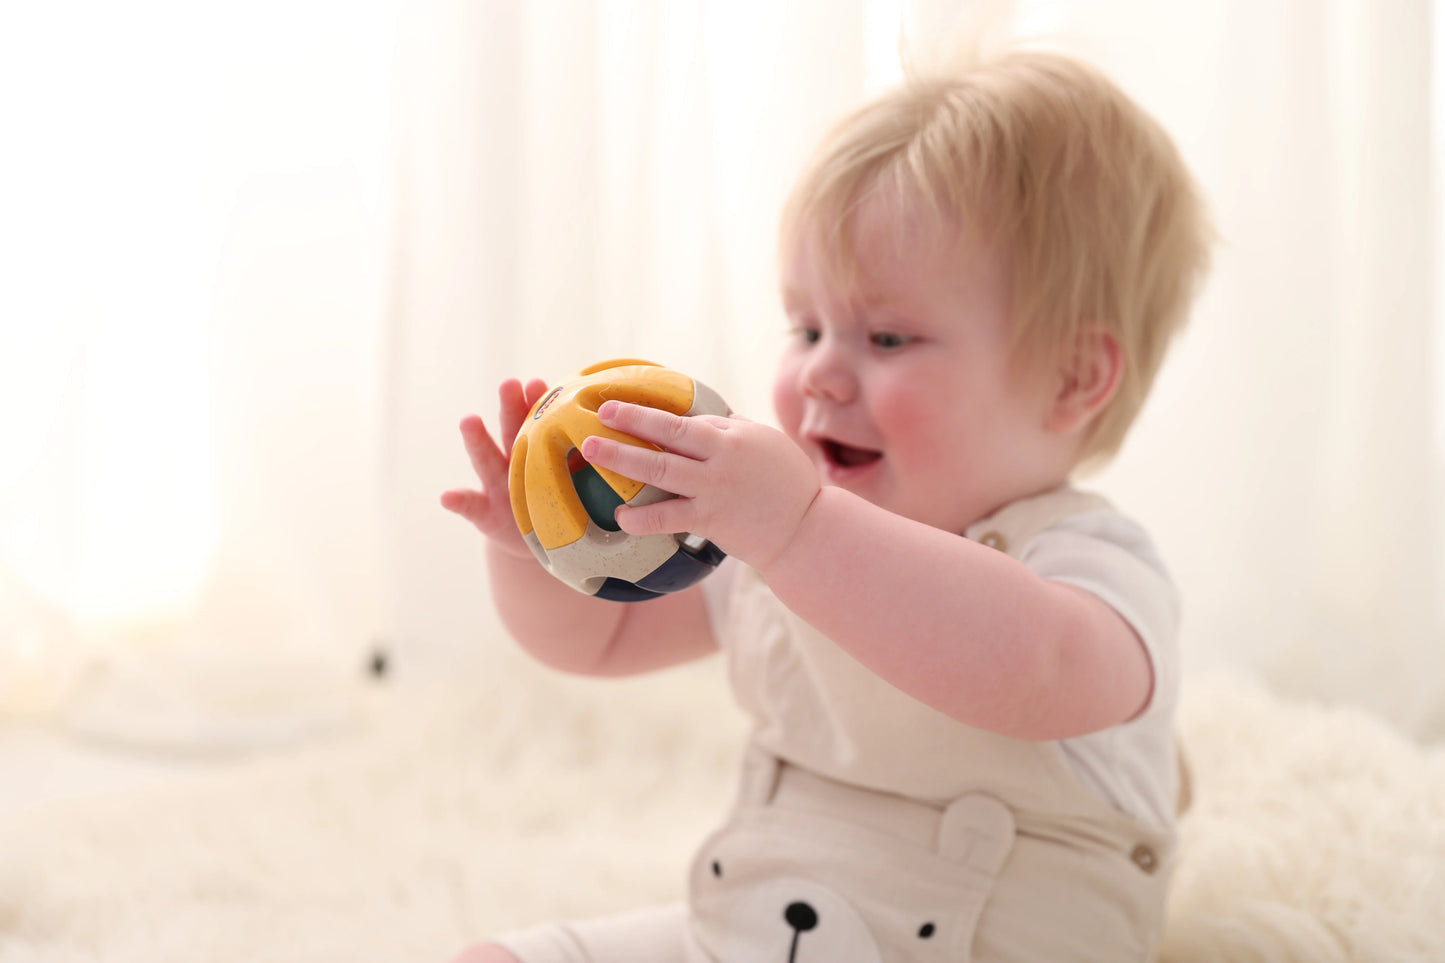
[{"x": 1044, "y": 155}]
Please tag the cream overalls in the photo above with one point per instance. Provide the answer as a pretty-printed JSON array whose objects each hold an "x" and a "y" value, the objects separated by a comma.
[{"x": 1017, "y": 861}]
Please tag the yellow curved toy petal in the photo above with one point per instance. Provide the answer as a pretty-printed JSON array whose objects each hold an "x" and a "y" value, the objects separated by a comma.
[
  {"x": 516, "y": 484},
  {"x": 542, "y": 495}
]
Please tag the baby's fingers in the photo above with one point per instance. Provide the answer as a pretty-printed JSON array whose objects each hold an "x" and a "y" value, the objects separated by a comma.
[
  {"x": 516, "y": 400},
  {"x": 660, "y": 469},
  {"x": 490, "y": 518},
  {"x": 670, "y": 516},
  {"x": 488, "y": 461},
  {"x": 692, "y": 437},
  {"x": 474, "y": 506}
]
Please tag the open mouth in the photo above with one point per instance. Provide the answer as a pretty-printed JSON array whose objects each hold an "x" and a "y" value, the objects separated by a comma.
[{"x": 846, "y": 456}]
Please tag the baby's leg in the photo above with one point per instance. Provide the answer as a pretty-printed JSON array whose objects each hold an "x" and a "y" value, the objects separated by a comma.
[{"x": 657, "y": 935}]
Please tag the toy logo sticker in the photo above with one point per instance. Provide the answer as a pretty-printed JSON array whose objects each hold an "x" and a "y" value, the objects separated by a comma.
[{"x": 545, "y": 403}]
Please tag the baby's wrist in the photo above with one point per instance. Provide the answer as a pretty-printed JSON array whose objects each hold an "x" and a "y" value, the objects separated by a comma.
[
  {"x": 503, "y": 548},
  {"x": 787, "y": 549}
]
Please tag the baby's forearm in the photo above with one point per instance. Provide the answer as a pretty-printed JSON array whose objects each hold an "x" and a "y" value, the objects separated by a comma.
[
  {"x": 963, "y": 628},
  {"x": 553, "y": 623},
  {"x": 576, "y": 633}
]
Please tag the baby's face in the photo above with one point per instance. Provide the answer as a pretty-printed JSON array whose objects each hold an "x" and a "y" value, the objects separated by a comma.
[{"x": 904, "y": 390}]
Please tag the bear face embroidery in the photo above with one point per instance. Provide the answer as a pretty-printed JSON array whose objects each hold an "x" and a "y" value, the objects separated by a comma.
[
  {"x": 781, "y": 886},
  {"x": 815, "y": 925}
]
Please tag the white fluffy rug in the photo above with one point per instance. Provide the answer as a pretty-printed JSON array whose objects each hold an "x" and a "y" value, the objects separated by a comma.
[{"x": 1317, "y": 835}]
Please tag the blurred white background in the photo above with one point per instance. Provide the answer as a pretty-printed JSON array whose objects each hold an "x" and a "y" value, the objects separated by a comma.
[{"x": 256, "y": 261}]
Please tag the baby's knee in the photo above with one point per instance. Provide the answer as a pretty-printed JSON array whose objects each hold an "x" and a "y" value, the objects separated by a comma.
[{"x": 485, "y": 953}]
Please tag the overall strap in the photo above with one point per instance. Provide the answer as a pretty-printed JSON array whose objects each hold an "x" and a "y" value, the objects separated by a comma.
[{"x": 1012, "y": 527}]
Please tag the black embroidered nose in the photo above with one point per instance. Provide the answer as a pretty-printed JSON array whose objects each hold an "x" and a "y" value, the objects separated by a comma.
[{"x": 801, "y": 917}]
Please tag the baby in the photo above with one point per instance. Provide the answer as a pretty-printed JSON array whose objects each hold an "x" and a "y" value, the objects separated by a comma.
[{"x": 961, "y": 670}]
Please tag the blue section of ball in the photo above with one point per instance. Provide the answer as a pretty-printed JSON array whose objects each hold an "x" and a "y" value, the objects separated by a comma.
[
  {"x": 621, "y": 590},
  {"x": 684, "y": 569},
  {"x": 708, "y": 554}
]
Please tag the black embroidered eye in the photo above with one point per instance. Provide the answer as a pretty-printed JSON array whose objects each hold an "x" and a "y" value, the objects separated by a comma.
[
  {"x": 717, "y": 869},
  {"x": 926, "y": 931}
]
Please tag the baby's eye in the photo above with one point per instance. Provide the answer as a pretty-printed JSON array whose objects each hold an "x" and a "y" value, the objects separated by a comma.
[
  {"x": 888, "y": 339},
  {"x": 806, "y": 334}
]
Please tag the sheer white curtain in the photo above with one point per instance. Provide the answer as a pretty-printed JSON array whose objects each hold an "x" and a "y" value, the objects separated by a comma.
[
  {"x": 196, "y": 202},
  {"x": 383, "y": 209},
  {"x": 1291, "y": 462},
  {"x": 584, "y": 180},
  {"x": 628, "y": 163}
]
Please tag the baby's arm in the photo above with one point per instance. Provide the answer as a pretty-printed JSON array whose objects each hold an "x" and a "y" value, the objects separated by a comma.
[
  {"x": 963, "y": 628},
  {"x": 554, "y": 623},
  {"x": 960, "y": 626}
]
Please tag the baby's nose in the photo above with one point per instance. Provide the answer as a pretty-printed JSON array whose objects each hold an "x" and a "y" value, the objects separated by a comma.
[{"x": 829, "y": 374}]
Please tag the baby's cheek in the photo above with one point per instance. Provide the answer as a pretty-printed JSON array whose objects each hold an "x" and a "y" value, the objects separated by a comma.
[
  {"x": 787, "y": 401},
  {"x": 909, "y": 414}
]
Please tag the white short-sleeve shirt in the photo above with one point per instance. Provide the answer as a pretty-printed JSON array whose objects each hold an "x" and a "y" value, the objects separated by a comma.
[{"x": 1132, "y": 767}]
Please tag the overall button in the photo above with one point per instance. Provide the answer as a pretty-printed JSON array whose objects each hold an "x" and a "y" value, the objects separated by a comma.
[
  {"x": 994, "y": 540},
  {"x": 1145, "y": 858}
]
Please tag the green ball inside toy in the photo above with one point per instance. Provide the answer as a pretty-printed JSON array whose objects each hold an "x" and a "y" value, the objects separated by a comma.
[{"x": 597, "y": 497}]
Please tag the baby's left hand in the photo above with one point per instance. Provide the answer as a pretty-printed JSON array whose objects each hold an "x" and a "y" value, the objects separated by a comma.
[{"x": 742, "y": 485}]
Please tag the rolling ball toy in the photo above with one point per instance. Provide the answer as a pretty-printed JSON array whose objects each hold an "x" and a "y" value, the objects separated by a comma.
[{"x": 564, "y": 506}]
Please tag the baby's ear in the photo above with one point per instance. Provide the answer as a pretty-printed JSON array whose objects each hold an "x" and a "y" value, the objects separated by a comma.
[{"x": 1086, "y": 379}]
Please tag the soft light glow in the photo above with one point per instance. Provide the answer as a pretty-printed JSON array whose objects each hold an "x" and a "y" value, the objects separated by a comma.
[
  {"x": 1437, "y": 142},
  {"x": 137, "y": 131},
  {"x": 104, "y": 475}
]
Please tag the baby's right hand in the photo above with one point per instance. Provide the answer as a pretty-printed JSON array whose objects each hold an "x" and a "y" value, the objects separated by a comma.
[{"x": 490, "y": 508}]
